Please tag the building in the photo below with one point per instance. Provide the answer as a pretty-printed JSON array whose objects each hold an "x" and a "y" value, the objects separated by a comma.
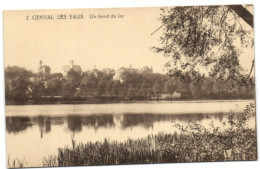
[
  {"x": 166, "y": 96},
  {"x": 176, "y": 95},
  {"x": 120, "y": 71},
  {"x": 108, "y": 71},
  {"x": 10, "y": 84},
  {"x": 76, "y": 68},
  {"x": 44, "y": 71}
]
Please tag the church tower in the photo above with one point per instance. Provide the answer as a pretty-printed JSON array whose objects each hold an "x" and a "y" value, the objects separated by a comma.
[{"x": 40, "y": 66}]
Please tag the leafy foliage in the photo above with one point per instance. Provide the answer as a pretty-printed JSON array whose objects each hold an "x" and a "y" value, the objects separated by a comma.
[
  {"x": 21, "y": 85},
  {"x": 203, "y": 39}
]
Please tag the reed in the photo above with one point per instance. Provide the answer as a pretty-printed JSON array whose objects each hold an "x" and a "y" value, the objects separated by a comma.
[
  {"x": 16, "y": 163},
  {"x": 162, "y": 148},
  {"x": 50, "y": 161},
  {"x": 194, "y": 144}
]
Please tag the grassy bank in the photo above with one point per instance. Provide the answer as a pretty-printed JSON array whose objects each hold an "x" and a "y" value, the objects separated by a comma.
[
  {"x": 194, "y": 143},
  {"x": 162, "y": 148}
]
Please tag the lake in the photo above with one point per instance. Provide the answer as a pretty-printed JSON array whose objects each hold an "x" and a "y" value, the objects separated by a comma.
[{"x": 37, "y": 131}]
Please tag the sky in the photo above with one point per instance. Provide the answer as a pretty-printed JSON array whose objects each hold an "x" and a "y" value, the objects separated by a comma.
[{"x": 101, "y": 42}]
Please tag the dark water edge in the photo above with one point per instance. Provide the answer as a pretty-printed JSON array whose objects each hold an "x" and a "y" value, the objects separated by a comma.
[{"x": 106, "y": 101}]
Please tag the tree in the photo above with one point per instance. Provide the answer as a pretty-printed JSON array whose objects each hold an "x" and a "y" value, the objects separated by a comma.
[
  {"x": 8, "y": 93},
  {"x": 149, "y": 92},
  {"x": 109, "y": 86},
  {"x": 54, "y": 86},
  {"x": 207, "y": 38},
  {"x": 56, "y": 75},
  {"x": 115, "y": 88},
  {"x": 146, "y": 70},
  {"x": 20, "y": 89},
  {"x": 171, "y": 86},
  {"x": 144, "y": 88},
  {"x": 12, "y": 72},
  {"x": 84, "y": 84},
  {"x": 37, "y": 89},
  {"x": 91, "y": 82},
  {"x": 204, "y": 88},
  {"x": 158, "y": 86},
  {"x": 101, "y": 88},
  {"x": 184, "y": 89},
  {"x": 87, "y": 84},
  {"x": 207, "y": 86},
  {"x": 73, "y": 81},
  {"x": 195, "y": 90},
  {"x": 131, "y": 92},
  {"x": 17, "y": 82}
]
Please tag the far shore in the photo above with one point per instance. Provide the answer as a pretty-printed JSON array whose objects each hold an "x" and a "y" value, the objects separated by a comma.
[{"x": 107, "y": 101}]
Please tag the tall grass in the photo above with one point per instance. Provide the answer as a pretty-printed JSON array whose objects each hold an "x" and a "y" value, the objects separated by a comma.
[
  {"x": 16, "y": 163},
  {"x": 195, "y": 143},
  {"x": 50, "y": 161}
]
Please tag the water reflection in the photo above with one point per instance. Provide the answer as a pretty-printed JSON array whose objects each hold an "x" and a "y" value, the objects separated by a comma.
[
  {"x": 75, "y": 123},
  {"x": 17, "y": 124},
  {"x": 98, "y": 121},
  {"x": 32, "y": 129},
  {"x": 148, "y": 120},
  {"x": 44, "y": 124}
]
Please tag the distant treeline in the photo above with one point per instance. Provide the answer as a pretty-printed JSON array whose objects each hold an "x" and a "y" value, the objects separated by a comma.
[{"x": 22, "y": 85}]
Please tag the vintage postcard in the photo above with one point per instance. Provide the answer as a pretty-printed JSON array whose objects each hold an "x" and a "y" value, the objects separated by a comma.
[{"x": 129, "y": 86}]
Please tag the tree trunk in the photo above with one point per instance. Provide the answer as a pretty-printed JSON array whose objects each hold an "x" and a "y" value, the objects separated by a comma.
[{"x": 243, "y": 13}]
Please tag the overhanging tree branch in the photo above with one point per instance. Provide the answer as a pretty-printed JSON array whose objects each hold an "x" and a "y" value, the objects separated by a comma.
[
  {"x": 243, "y": 13},
  {"x": 251, "y": 68},
  {"x": 200, "y": 31},
  {"x": 166, "y": 22}
]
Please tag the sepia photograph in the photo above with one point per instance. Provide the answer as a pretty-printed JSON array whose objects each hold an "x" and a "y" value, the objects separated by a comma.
[{"x": 139, "y": 85}]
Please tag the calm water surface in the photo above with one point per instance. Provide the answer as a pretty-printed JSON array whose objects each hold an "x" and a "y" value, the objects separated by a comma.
[{"x": 37, "y": 131}]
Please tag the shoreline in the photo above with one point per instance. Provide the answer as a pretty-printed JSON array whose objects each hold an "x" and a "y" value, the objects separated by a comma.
[{"x": 109, "y": 101}]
